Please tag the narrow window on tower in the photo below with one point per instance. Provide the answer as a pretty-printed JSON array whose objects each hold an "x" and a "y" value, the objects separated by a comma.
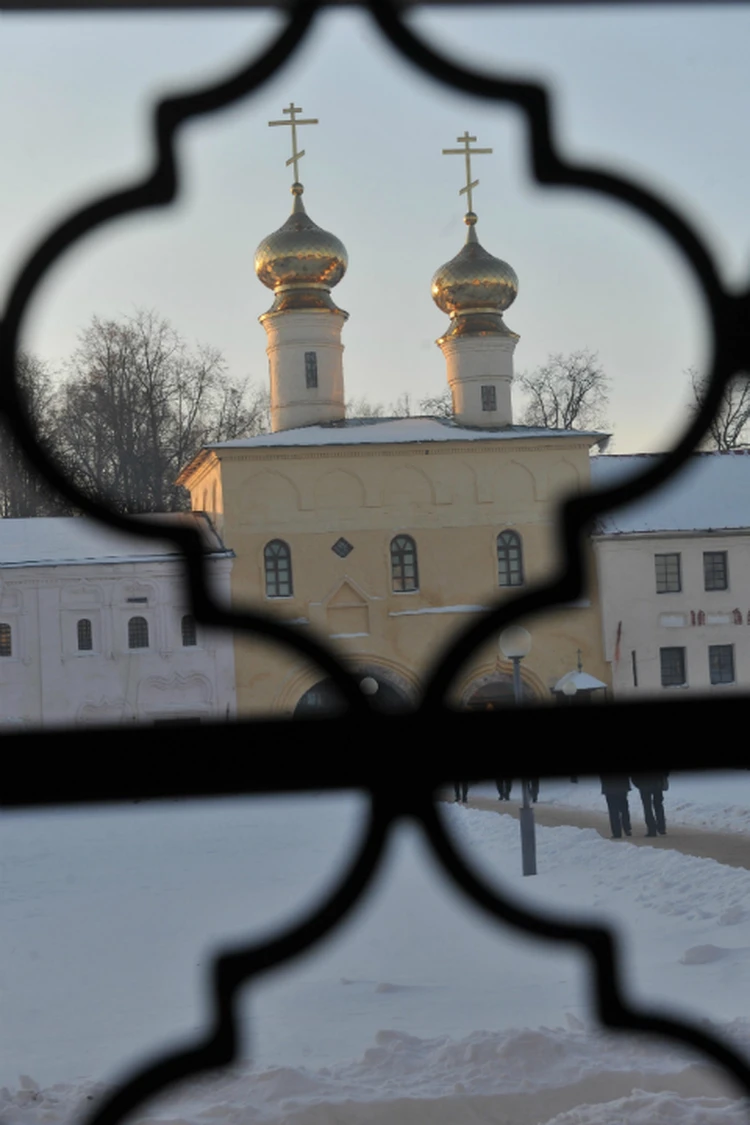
[
  {"x": 311, "y": 369},
  {"x": 489, "y": 398}
]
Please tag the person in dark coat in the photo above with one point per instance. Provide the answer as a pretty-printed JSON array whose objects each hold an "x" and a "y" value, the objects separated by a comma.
[
  {"x": 504, "y": 786},
  {"x": 461, "y": 790},
  {"x": 615, "y": 788},
  {"x": 651, "y": 787}
]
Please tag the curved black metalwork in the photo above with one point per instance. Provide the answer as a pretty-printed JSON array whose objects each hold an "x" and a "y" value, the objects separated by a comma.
[
  {"x": 600, "y": 944},
  {"x": 729, "y": 319},
  {"x": 232, "y": 969},
  {"x": 730, "y": 343},
  {"x": 157, "y": 189}
]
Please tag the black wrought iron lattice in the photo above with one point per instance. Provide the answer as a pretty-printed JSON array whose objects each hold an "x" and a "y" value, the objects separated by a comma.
[{"x": 86, "y": 778}]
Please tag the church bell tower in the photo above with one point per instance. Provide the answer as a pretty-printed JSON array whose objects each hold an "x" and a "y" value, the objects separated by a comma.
[
  {"x": 475, "y": 289},
  {"x": 301, "y": 263}
]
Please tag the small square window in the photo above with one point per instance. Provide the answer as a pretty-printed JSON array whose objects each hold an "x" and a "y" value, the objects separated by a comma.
[
  {"x": 311, "y": 369},
  {"x": 489, "y": 398},
  {"x": 342, "y": 547},
  {"x": 721, "y": 664},
  {"x": 715, "y": 570},
  {"x": 668, "y": 577},
  {"x": 672, "y": 667}
]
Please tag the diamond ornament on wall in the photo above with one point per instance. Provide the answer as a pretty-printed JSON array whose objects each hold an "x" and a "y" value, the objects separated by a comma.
[{"x": 342, "y": 547}]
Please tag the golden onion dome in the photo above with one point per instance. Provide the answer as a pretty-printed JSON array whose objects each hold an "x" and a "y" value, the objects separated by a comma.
[
  {"x": 299, "y": 259},
  {"x": 474, "y": 281}
]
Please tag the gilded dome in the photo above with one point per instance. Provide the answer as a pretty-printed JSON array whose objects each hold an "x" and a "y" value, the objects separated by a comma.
[
  {"x": 300, "y": 254},
  {"x": 474, "y": 280}
]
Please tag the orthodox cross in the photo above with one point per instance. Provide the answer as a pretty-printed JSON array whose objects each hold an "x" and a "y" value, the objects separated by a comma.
[
  {"x": 468, "y": 152},
  {"x": 294, "y": 121}
]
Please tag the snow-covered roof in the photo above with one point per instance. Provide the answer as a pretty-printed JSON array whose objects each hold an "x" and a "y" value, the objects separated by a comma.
[
  {"x": 374, "y": 431},
  {"x": 58, "y": 541},
  {"x": 712, "y": 493}
]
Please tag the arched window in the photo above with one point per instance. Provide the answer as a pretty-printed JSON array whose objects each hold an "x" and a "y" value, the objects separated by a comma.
[
  {"x": 278, "y": 560},
  {"x": 85, "y": 636},
  {"x": 189, "y": 632},
  {"x": 509, "y": 559},
  {"x": 6, "y": 644},
  {"x": 138, "y": 632},
  {"x": 404, "y": 575}
]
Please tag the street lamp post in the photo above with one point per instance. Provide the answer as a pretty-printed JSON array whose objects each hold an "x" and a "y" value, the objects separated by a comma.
[{"x": 515, "y": 643}]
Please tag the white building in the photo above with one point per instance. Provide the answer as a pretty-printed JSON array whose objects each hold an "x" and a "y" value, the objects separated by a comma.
[
  {"x": 674, "y": 577},
  {"x": 95, "y": 627}
]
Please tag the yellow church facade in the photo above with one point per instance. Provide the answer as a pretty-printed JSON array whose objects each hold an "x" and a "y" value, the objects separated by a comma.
[
  {"x": 383, "y": 537},
  {"x": 391, "y": 546}
]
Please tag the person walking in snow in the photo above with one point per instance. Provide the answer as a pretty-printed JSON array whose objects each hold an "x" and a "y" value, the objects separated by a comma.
[
  {"x": 615, "y": 788},
  {"x": 504, "y": 786},
  {"x": 651, "y": 787},
  {"x": 461, "y": 790}
]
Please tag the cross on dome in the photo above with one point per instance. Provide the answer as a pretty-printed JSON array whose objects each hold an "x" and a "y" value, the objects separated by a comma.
[
  {"x": 467, "y": 151},
  {"x": 294, "y": 121}
]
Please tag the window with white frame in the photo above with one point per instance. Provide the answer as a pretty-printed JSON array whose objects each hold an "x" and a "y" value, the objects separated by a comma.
[
  {"x": 404, "y": 575},
  {"x": 715, "y": 570},
  {"x": 278, "y": 566},
  {"x": 668, "y": 573},
  {"x": 509, "y": 559}
]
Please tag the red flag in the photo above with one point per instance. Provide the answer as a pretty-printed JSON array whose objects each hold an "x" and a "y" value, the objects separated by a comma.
[{"x": 617, "y": 643}]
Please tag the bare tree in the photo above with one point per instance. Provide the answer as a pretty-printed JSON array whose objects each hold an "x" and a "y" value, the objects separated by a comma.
[
  {"x": 566, "y": 392},
  {"x": 402, "y": 407},
  {"x": 438, "y": 406},
  {"x": 137, "y": 404},
  {"x": 363, "y": 408},
  {"x": 730, "y": 427},
  {"x": 23, "y": 493}
]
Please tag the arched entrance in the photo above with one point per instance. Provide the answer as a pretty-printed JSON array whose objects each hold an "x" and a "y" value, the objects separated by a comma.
[
  {"x": 495, "y": 690},
  {"x": 323, "y": 699}
]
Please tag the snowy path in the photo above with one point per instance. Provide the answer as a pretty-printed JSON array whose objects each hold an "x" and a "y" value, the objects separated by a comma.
[{"x": 726, "y": 847}]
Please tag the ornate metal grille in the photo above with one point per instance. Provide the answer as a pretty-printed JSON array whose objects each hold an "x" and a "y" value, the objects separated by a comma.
[{"x": 85, "y": 778}]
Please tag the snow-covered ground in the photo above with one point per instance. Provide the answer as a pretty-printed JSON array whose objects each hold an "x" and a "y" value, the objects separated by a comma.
[{"x": 417, "y": 1009}]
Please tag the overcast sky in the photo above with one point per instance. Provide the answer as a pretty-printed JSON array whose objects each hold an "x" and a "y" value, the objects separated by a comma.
[{"x": 661, "y": 94}]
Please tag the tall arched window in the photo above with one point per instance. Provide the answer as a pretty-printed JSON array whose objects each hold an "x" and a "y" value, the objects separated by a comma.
[
  {"x": 85, "y": 636},
  {"x": 509, "y": 559},
  {"x": 278, "y": 560},
  {"x": 138, "y": 632},
  {"x": 404, "y": 574},
  {"x": 6, "y": 642},
  {"x": 189, "y": 632}
]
